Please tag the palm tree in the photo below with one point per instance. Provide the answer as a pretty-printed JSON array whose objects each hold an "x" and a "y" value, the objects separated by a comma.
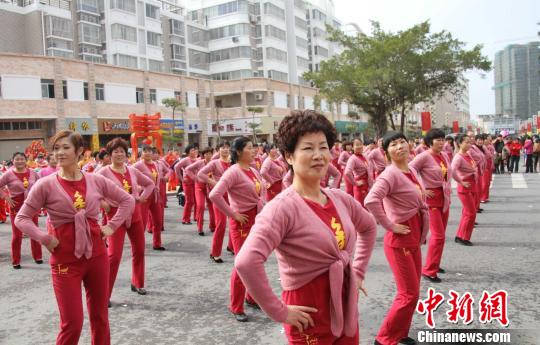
[{"x": 174, "y": 104}]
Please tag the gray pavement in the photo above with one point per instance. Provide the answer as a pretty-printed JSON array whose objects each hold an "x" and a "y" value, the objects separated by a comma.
[{"x": 187, "y": 294}]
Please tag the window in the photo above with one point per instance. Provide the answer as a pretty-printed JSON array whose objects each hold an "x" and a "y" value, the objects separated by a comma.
[
  {"x": 273, "y": 10},
  {"x": 272, "y": 31},
  {"x": 226, "y": 8},
  {"x": 59, "y": 27},
  {"x": 321, "y": 51},
  {"x": 88, "y": 5},
  {"x": 85, "y": 91},
  {"x": 5, "y": 126},
  {"x": 34, "y": 125},
  {"x": 301, "y": 23},
  {"x": 177, "y": 95},
  {"x": 276, "y": 54},
  {"x": 100, "y": 92},
  {"x": 124, "y": 32},
  {"x": 302, "y": 43},
  {"x": 155, "y": 66},
  {"x": 319, "y": 33},
  {"x": 178, "y": 52},
  {"x": 125, "y": 60},
  {"x": 230, "y": 53},
  {"x": 277, "y": 75},
  {"x": 47, "y": 88},
  {"x": 64, "y": 89},
  {"x": 229, "y": 30},
  {"x": 152, "y": 11},
  {"x": 58, "y": 43},
  {"x": 177, "y": 27},
  {"x": 85, "y": 17},
  {"x": 302, "y": 63},
  {"x": 197, "y": 36},
  {"x": 245, "y": 73},
  {"x": 125, "y": 5},
  {"x": 153, "y": 98},
  {"x": 18, "y": 126},
  {"x": 139, "y": 95},
  {"x": 198, "y": 59},
  {"x": 318, "y": 15},
  {"x": 153, "y": 39},
  {"x": 89, "y": 33}
]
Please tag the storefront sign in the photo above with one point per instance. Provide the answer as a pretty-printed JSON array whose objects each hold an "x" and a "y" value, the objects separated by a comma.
[
  {"x": 167, "y": 124},
  {"x": 194, "y": 126},
  {"x": 82, "y": 125},
  {"x": 233, "y": 126},
  {"x": 350, "y": 126},
  {"x": 113, "y": 126}
]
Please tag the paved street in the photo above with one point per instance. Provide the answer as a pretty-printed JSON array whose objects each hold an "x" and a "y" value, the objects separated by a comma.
[{"x": 188, "y": 295}]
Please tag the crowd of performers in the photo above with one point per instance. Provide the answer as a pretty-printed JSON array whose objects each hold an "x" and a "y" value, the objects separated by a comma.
[{"x": 286, "y": 199}]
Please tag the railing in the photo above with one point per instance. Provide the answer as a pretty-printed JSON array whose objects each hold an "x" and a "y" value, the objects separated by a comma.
[{"x": 63, "y": 4}]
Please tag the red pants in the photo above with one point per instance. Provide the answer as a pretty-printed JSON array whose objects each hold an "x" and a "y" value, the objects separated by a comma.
[
  {"x": 201, "y": 198},
  {"x": 189, "y": 192},
  {"x": 16, "y": 243},
  {"x": 274, "y": 190},
  {"x": 239, "y": 233},
  {"x": 360, "y": 193},
  {"x": 315, "y": 294},
  {"x": 437, "y": 226},
  {"x": 486, "y": 182},
  {"x": 3, "y": 210},
  {"x": 154, "y": 208},
  {"x": 219, "y": 234},
  {"x": 468, "y": 215},
  {"x": 173, "y": 182},
  {"x": 163, "y": 192},
  {"x": 116, "y": 247},
  {"x": 478, "y": 190},
  {"x": 349, "y": 188},
  {"x": 66, "y": 280},
  {"x": 406, "y": 264}
]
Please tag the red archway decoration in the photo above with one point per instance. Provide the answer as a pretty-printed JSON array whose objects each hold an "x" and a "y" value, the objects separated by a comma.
[{"x": 145, "y": 127}]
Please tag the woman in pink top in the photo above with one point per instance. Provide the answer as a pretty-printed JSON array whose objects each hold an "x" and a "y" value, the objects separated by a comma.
[
  {"x": 211, "y": 173},
  {"x": 245, "y": 189},
  {"x": 272, "y": 171},
  {"x": 188, "y": 184},
  {"x": 314, "y": 232},
  {"x": 449, "y": 147},
  {"x": 19, "y": 181},
  {"x": 359, "y": 172},
  {"x": 489, "y": 153},
  {"x": 131, "y": 180},
  {"x": 51, "y": 168},
  {"x": 75, "y": 239},
  {"x": 434, "y": 168},
  {"x": 342, "y": 162},
  {"x": 151, "y": 209},
  {"x": 397, "y": 202},
  {"x": 464, "y": 170},
  {"x": 201, "y": 190},
  {"x": 377, "y": 158}
]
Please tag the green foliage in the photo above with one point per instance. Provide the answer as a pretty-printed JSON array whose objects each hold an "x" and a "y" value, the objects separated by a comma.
[{"x": 386, "y": 72}]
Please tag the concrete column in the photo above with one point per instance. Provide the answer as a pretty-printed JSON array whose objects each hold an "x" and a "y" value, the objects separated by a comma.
[
  {"x": 204, "y": 111},
  {"x": 59, "y": 95},
  {"x": 243, "y": 98}
]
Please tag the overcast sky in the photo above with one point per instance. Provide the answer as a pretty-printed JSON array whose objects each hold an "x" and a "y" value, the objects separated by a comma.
[{"x": 493, "y": 23}]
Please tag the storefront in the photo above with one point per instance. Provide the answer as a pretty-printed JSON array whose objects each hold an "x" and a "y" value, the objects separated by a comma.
[
  {"x": 109, "y": 129},
  {"x": 85, "y": 126},
  {"x": 350, "y": 129},
  {"x": 17, "y": 134},
  {"x": 233, "y": 128}
]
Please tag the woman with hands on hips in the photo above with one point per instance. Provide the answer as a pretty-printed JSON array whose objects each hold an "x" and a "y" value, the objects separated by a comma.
[{"x": 314, "y": 232}]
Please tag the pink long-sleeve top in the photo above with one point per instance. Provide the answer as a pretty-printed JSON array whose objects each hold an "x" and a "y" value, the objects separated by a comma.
[
  {"x": 137, "y": 180},
  {"x": 215, "y": 169},
  {"x": 420, "y": 148},
  {"x": 464, "y": 170},
  {"x": 343, "y": 159},
  {"x": 14, "y": 185},
  {"x": 145, "y": 170},
  {"x": 377, "y": 159},
  {"x": 165, "y": 169},
  {"x": 180, "y": 170},
  {"x": 273, "y": 170},
  {"x": 528, "y": 147},
  {"x": 432, "y": 174},
  {"x": 332, "y": 172},
  {"x": 192, "y": 170},
  {"x": 84, "y": 236},
  {"x": 47, "y": 171},
  {"x": 241, "y": 191},
  {"x": 449, "y": 149},
  {"x": 305, "y": 249},
  {"x": 358, "y": 169},
  {"x": 479, "y": 157},
  {"x": 394, "y": 199}
]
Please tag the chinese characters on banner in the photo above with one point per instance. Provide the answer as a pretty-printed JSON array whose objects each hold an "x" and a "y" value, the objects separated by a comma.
[{"x": 491, "y": 307}]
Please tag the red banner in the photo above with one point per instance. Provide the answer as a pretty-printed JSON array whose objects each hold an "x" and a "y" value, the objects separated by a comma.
[
  {"x": 455, "y": 127},
  {"x": 426, "y": 122},
  {"x": 538, "y": 124},
  {"x": 529, "y": 128}
]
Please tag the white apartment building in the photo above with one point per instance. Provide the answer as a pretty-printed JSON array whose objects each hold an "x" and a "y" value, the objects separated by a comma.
[{"x": 214, "y": 39}]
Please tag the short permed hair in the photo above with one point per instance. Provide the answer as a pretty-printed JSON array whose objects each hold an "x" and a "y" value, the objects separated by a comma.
[
  {"x": 432, "y": 134},
  {"x": 301, "y": 122},
  {"x": 115, "y": 144},
  {"x": 389, "y": 137}
]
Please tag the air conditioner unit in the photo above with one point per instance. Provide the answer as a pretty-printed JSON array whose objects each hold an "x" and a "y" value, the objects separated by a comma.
[
  {"x": 235, "y": 39},
  {"x": 259, "y": 96}
]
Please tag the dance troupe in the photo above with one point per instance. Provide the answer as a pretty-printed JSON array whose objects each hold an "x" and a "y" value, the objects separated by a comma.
[{"x": 287, "y": 200}]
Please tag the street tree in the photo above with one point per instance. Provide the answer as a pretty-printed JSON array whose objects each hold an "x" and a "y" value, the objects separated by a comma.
[{"x": 176, "y": 104}]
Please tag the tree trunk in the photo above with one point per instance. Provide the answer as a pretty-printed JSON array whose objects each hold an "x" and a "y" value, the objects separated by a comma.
[
  {"x": 380, "y": 124},
  {"x": 392, "y": 124},
  {"x": 402, "y": 124}
]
